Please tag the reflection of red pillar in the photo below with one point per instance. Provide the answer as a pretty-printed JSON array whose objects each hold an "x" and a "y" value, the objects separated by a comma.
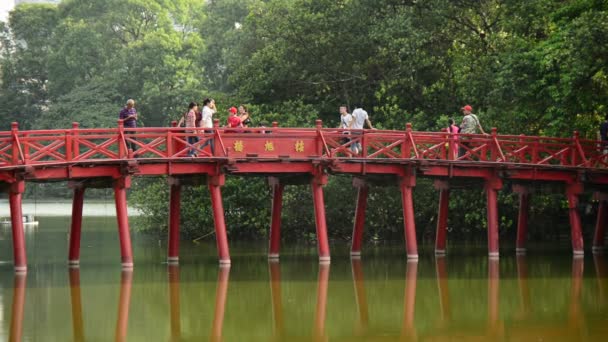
[
  {"x": 492, "y": 186},
  {"x": 601, "y": 274},
  {"x": 409, "y": 305},
  {"x": 276, "y": 298},
  {"x": 407, "y": 184},
  {"x": 176, "y": 331},
  {"x": 320, "y": 310},
  {"x": 522, "y": 222},
  {"x": 493, "y": 295},
  {"x": 17, "y": 309},
  {"x": 359, "y": 225},
  {"x": 77, "y": 324},
  {"x": 275, "y": 224},
  {"x": 357, "y": 270},
  {"x": 221, "y": 237},
  {"x": 76, "y": 226},
  {"x": 575, "y": 315},
  {"x": 174, "y": 220},
  {"x": 600, "y": 225},
  {"x": 122, "y": 322},
  {"x": 319, "y": 204},
  {"x": 221, "y": 292},
  {"x": 444, "y": 290},
  {"x": 19, "y": 254},
  {"x": 524, "y": 289},
  {"x": 120, "y": 195},
  {"x": 573, "y": 190},
  {"x": 442, "y": 219}
]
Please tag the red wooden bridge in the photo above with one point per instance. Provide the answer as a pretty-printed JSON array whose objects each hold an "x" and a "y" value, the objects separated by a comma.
[{"x": 101, "y": 158}]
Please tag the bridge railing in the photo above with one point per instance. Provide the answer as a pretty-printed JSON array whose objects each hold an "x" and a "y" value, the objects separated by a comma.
[{"x": 106, "y": 144}]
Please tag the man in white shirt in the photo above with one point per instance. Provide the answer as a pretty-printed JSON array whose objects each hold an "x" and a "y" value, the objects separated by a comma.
[
  {"x": 207, "y": 121},
  {"x": 360, "y": 117},
  {"x": 345, "y": 120}
]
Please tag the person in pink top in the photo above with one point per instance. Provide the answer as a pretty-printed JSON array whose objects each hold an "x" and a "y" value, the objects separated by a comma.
[{"x": 454, "y": 130}]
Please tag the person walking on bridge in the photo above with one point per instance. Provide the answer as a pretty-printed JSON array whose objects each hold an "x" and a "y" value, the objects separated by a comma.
[
  {"x": 470, "y": 125},
  {"x": 360, "y": 117},
  {"x": 345, "y": 120},
  {"x": 189, "y": 119},
  {"x": 207, "y": 121},
  {"x": 129, "y": 116}
]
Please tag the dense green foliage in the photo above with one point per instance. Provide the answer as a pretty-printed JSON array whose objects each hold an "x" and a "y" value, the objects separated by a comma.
[{"x": 532, "y": 67}]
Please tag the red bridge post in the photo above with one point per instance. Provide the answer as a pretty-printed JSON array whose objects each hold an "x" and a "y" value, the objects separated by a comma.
[
  {"x": 76, "y": 225},
  {"x": 600, "y": 225},
  {"x": 317, "y": 184},
  {"x": 215, "y": 183},
  {"x": 492, "y": 186},
  {"x": 442, "y": 219},
  {"x": 19, "y": 253},
  {"x": 358, "y": 226},
  {"x": 275, "y": 225},
  {"x": 573, "y": 190},
  {"x": 522, "y": 218},
  {"x": 407, "y": 184},
  {"x": 174, "y": 220},
  {"x": 120, "y": 196}
]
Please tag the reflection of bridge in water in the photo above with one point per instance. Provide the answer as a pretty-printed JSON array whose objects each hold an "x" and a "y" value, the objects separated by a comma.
[
  {"x": 521, "y": 325},
  {"x": 89, "y": 158}
]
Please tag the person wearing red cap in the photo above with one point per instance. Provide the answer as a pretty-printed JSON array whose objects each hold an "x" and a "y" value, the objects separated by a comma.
[
  {"x": 470, "y": 125},
  {"x": 233, "y": 120}
]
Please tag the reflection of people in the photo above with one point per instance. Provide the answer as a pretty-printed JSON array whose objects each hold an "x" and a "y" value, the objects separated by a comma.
[
  {"x": 360, "y": 117},
  {"x": 470, "y": 125},
  {"x": 207, "y": 121},
  {"x": 129, "y": 116}
]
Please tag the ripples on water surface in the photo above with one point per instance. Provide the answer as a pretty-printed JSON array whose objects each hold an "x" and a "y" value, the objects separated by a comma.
[{"x": 462, "y": 297}]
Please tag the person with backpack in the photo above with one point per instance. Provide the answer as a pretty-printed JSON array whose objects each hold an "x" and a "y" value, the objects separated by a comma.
[{"x": 470, "y": 125}]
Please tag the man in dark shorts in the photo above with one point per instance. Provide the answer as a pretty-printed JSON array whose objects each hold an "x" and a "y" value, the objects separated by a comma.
[{"x": 129, "y": 116}]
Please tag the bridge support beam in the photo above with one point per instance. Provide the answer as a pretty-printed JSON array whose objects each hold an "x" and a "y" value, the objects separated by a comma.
[
  {"x": 76, "y": 226},
  {"x": 120, "y": 196},
  {"x": 522, "y": 218},
  {"x": 275, "y": 224},
  {"x": 358, "y": 226},
  {"x": 442, "y": 217},
  {"x": 174, "y": 220},
  {"x": 221, "y": 238},
  {"x": 492, "y": 186},
  {"x": 407, "y": 184},
  {"x": 15, "y": 200},
  {"x": 319, "y": 203},
  {"x": 573, "y": 190},
  {"x": 600, "y": 224}
]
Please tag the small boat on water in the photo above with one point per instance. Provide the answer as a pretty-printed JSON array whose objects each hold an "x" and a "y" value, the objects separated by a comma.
[{"x": 28, "y": 221}]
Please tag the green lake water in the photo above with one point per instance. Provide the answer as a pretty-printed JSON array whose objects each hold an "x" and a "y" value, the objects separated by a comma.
[{"x": 546, "y": 296}]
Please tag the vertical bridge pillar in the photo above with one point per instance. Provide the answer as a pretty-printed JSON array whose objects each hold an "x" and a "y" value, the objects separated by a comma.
[
  {"x": 215, "y": 183},
  {"x": 573, "y": 190},
  {"x": 76, "y": 225},
  {"x": 442, "y": 219},
  {"x": 600, "y": 225},
  {"x": 317, "y": 183},
  {"x": 358, "y": 226},
  {"x": 275, "y": 225},
  {"x": 120, "y": 196},
  {"x": 522, "y": 218},
  {"x": 174, "y": 220},
  {"x": 407, "y": 184},
  {"x": 492, "y": 185},
  {"x": 16, "y": 190}
]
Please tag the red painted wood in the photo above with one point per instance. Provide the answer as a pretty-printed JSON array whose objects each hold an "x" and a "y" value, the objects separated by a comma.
[
  {"x": 411, "y": 245},
  {"x": 492, "y": 186},
  {"x": 19, "y": 253},
  {"x": 275, "y": 225},
  {"x": 174, "y": 221},
  {"x": 442, "y": 221},
  {"x": 76, "y": 226},
  {"x": 522, "y": 222},
  {"x": 359, "y": 224},
  {"x": 572, "y": 193},
  {"x": 120, "y": 197},
  {"x": 600, "y": 226},
  {"x": 221, "y": 236},
  {"x": 321, "y": 225}
]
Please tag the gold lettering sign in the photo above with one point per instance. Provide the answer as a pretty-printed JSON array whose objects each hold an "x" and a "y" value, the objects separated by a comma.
[
  {"x": 299, "y": 146},
  {"x": 238, "y": 146},
  {"x": 269, "y": 146}
]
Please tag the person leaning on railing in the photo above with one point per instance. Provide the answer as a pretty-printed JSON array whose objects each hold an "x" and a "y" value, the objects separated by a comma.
[
  {"x": 470, "y": 125},
  {"x": 129, "y": 116},
  {"x": 360, "y": 117}
]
